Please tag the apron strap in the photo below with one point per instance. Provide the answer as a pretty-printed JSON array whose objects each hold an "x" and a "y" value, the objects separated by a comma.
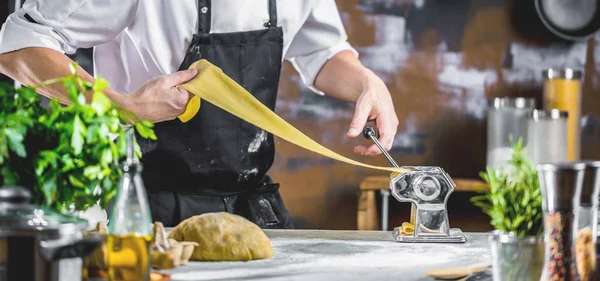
[
  {"x": 204, "y": 11},
  {"x": 272, "y": 14},
  {"x": 204, "y": 15}
]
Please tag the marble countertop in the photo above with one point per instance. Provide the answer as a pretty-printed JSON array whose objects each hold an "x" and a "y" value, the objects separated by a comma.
[{"x": 343, "y": 255}]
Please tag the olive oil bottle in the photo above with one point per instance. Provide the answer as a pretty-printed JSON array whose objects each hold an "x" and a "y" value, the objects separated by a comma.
[{"x": 130, "y": 233}]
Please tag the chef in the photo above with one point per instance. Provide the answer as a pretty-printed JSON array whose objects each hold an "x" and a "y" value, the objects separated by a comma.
[{"x": 215, "y": 162}]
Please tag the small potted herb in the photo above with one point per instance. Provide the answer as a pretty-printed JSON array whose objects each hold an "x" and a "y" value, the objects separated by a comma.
[
  {"x": 514, "y": 204},
  {"x": 66, "y": 155}
]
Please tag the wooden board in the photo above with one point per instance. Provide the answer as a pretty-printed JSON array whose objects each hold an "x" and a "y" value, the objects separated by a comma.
[{"x": 462, "y": 185}]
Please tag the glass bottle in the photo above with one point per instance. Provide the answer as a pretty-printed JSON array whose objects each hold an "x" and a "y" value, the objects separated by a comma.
[{"x": 130, "y": 232}]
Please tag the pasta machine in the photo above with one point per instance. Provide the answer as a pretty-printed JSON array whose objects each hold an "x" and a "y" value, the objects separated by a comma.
[{"x": 428, "y": 190}]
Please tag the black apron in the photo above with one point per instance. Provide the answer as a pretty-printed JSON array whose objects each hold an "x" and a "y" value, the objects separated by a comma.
[{"x": 217, "y": 162}]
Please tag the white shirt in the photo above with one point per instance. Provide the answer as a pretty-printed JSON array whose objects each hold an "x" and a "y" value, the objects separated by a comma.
[{"x": 137, "y": 40}]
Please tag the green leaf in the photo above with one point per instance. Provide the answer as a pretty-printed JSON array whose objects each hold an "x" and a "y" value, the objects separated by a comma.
[
  {"x": 107, "y": 157},
  {"x": 147, "y": 124},
  {"x": 101, "y": 103},
  {"x": 122, "y": 144},
  {"x": 9, "y": 177},
  {"x": 100, "y": 85},
  {"x": 81, "y": 98},
  {"x": 72, "y": 91},
  {"x": 16, "y": 142},
  {"x": 73, "y": 67},
  {"x": 91, "y": 172},
  {"x": 78, "y": 133},
  {"x": 75, "y": 182},
  {"x": 49, "y": 189},
  {"x": 46, "y": 158}
]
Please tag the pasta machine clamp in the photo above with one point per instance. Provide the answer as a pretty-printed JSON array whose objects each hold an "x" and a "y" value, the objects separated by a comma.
[{"x": 428, "y": 190}]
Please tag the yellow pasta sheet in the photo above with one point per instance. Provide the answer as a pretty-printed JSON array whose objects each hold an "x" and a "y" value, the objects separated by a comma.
[{"x": 214, "y": 86}]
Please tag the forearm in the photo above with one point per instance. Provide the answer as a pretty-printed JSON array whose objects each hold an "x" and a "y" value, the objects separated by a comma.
[
  {"x": 343, "y": 77},
  {"x": 31, "y": 66}
]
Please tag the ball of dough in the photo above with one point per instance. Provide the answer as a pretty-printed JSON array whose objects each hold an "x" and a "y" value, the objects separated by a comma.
[{"x": 223, "y": 237}]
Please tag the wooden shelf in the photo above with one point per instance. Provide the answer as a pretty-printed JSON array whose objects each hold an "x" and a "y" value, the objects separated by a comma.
[
  {"x": 462, "y": 185},
  {"x": 368, "y": 219}
]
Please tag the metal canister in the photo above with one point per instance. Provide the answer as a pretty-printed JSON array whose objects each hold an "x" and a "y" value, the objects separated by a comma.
[
  {"x": 507, "y": 117},
  {"x": 562, "y": 91}
]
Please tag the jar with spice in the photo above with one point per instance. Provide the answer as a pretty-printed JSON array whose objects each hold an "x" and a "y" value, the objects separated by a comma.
[
  {"x": 561, "y": 186},
  {"x": 562, "y": 91},
  {"x": 586, "y": 223}
]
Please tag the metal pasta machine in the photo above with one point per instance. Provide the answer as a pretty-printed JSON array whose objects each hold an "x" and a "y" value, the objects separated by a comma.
[{"x": 428, "y": 190}]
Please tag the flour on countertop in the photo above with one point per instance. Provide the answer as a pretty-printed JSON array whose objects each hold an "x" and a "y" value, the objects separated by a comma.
[
  {"x": 257, "y": 142},
  {"x": 324, "y": 259}
]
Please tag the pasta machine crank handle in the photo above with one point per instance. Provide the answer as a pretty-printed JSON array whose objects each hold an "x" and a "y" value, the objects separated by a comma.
[{"x": 369, "y": 133}]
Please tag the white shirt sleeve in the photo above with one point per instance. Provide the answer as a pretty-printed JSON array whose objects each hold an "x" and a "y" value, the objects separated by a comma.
[
  {"x": 65, "y": 25},
  {"x": 320, "y": 38}
]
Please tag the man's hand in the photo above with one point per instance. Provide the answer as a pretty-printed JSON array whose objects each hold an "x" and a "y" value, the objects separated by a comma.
[
  {"x": 375, "y": 103},
  {"x": 159, "y": 99},
  {"x": 345, "y": 78}
]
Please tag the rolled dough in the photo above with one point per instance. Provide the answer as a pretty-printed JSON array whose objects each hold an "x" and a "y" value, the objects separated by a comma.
[{"x": 223, "y": 237}]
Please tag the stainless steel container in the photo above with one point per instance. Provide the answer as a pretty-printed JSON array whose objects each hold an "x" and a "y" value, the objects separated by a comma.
[
  {"x": 547, "y": 136},
  {"x": 507, "y": 117},
  {"x": 38, "y": 244}
]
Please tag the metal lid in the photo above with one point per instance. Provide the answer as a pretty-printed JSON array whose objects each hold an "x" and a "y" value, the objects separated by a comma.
[
  {"x": 590, "y": 189},
  {"x": 561, "y": 185},
  {"x": 565, "y": 73},
  {"x": 553, "y": 114},
  {"x": 517, "y": 102},
  {"x": 19, "y": 216},
  {"x": 561, "y": 166}
]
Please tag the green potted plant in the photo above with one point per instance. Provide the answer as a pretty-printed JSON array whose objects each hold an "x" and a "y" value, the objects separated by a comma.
[
  {"x": 514, "y": 205},
  {"x": 68, "y": 156}
]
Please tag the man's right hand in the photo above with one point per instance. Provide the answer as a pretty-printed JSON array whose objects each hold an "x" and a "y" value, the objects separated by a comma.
[{"x": 159, "y": 99}]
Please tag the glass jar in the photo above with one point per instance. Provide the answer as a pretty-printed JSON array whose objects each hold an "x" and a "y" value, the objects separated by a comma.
[
  {"x": 587, "y": 220},
  {"x": 561, "y": 186},
  {"x": 547, "y": 136},
  {"x": 516, "y": 258},
  {"x": 507, "y": 117},
  {"x": 562, "y": 91}
]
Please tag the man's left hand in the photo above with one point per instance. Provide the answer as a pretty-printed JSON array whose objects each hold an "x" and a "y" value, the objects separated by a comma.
[{"x": 374, "y": 104}]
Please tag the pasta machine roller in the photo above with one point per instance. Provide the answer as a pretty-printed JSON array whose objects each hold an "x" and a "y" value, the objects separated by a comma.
[{"x": 427, "y": 189}]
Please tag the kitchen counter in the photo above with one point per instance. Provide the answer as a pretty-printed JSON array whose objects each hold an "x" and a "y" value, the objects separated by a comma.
[{"x": 342, "y": 255}]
